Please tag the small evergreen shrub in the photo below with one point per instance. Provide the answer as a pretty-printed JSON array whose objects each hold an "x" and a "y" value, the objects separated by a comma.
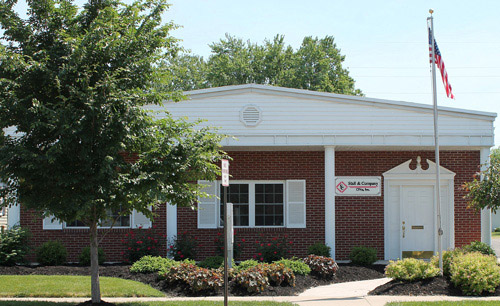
[
  {"x": 213, "y": 262},
  {"x": 478, "y": 246},
  {"x": 298, "y": 266},
  {"x": 319, "y": 249},
  {"x": 411, "y": 269},
  {"x": 197, "y": 280},
  {"x": 13, "y": 245},
  {"x": 448, "y": 257},
  {"x": 363, "y": 256},
  {"x": 321, "y": 266},
  {"x": 246, "y": 264},
  {"x": 151, "y": 264},
  {"x": 475, "y": 273},
  {"x": 183, "y": 247},
  {"x": 84, "y": 258},
  {"x": 497, "y": 229},
  {"x": 51, "y": 253}
]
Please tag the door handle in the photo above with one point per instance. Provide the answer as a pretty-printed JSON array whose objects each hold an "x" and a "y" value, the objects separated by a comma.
[{"x": 404, "y": 229}]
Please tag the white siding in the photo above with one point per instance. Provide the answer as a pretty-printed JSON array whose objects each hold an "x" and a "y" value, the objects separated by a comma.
[{"x": 290, "y": 120}]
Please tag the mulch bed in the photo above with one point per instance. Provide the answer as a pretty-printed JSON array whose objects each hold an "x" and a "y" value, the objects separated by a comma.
[
  {"x": 434, "y": 286},
  {"x": 345, "y": 273}
]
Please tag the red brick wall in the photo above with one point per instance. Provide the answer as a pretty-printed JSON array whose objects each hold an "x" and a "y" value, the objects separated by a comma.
[
  {"x": 359, "y": 220},
  {"x": 76, "y": 239}
]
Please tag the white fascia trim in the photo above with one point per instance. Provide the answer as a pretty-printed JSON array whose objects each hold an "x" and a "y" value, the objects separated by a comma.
[{"x": 308, "y": 94}]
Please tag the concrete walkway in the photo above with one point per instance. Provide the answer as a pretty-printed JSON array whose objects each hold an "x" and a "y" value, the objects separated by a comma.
[{"x": 351, "y": 293}]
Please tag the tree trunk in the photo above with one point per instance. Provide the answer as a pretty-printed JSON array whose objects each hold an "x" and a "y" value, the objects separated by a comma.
[{"x": 94, "y": 266}]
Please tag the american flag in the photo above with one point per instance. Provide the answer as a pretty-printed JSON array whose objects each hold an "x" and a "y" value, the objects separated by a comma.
[{"x": 440, "y": 64}]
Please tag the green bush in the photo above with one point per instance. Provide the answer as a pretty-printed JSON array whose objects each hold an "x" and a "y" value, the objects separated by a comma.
[
  {"x": 246, "y": 264},
  {"x": 274, "y": 249},
  {"x": 51, "y": 253},
  {"x": 497, "y": 229},
  {"x": 475, "y": 273},
  {"x": 478, "y": 246},
  {"x": 297, "y": 266},
  {"x": 257, "y": 279},
  {"x": 448, "y": 257},
  {"x": 142, "y": 242},
  {"x": 84, "y": 258},
  {"x": 363, "y": 256},
  {"x": 411, "y": 269},
  {"x": 319, "y": 249},
  {"x": 197, "y": 280},
  {"x": 13, "y": 245},
  {"x": 183, "y": 247},
  {"x": 321, "y": 266},
  {"x": 151, "y": 264},
  {"x": 213, "y": 262},
  {"x": 165, "y": 268}
]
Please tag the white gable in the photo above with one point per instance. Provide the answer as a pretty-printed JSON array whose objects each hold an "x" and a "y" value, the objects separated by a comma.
[{"x": 291, "y": 117}]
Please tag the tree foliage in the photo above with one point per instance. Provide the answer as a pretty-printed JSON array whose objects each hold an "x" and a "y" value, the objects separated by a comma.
[
  {"x": 74, "y": 86},
  {"x": 484, "y": 190},
  {"x": 316, "y": 65}
]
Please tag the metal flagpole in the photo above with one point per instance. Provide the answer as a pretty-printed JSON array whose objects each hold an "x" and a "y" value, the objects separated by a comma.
[{"x": 436, "y": 144}]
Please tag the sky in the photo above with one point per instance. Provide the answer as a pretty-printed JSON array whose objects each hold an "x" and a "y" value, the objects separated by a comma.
[{"x": 385, "y": 42}]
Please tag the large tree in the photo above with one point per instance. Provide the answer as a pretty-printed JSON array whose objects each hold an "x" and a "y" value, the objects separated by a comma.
[
  {"x": 74, "y": 83},
  {"x": 315, "y": 65}
]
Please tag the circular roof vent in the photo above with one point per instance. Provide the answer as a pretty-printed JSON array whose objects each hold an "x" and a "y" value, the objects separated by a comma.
[{"x": 250, "y": 115}]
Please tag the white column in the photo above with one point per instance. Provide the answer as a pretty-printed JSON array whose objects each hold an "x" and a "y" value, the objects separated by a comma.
[
  {"x": 171, "y": 223},
  {"x": 13, "y": 216},
  {"x": 330, "y": 198},
  {"x": 485, "y": 213}
]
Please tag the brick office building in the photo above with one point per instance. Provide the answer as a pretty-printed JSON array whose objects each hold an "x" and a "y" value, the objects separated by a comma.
[{"x": 322, "y": 167}]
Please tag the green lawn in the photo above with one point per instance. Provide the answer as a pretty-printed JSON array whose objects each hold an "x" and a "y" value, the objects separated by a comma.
[
  {"x": 495, "y": 234},
  {"x": 442, "y": 303},
  {"x": 71, "y": 286},
  {"x": 176, "y": 303}
]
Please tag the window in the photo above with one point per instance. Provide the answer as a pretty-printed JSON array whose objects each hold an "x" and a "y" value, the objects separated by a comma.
[
  {"x": 255, "y": 203},
  {"x": 121, "y": 221}
]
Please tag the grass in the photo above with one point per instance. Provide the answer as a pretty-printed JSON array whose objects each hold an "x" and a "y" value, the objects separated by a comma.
[
  {"x": 495, "y": 234},
  {"x": 71, "y": 286},
  {"x": 442, "y": 303},
  {"x": 176, "y": 303}
]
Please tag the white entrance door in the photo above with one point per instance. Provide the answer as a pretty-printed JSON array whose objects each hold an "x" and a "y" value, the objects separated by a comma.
[{"x": 417, "y": 221}]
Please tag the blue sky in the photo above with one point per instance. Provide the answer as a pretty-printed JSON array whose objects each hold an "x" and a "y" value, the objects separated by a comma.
[{"x": 385, "y": 42}]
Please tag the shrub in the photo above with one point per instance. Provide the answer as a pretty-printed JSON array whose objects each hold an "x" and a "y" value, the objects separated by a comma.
[
  {"x": 363, "y": 256},
  {"x": 497, "y": 229},
  {"x": 164, "y": 269},
  {"x": 247, "y": 264},
  {"x": 448, "y": 257},
  {"x": 257, "y": 279},
  {"x": 142, "y": 243},
  {"x": 238, "y": 245},
  {"x": 213, "y": 262},
  {"x": 298, "y": 266},
  {"x": 84, "y": 258},
  {"x": 321, "y": 266},
  {"x": 319, "y": 249},
  {"x": 196, "y": 279},
  {"x": 411, "y": 269},
  {"x": 478, "y": 246},
  {"x": 151, "y": 264},
  {"x": 475, "y": 273},
  {"x": 13, "y": 245},
  {"x": 183, "y": 247},
  {"x": 51, "y": 253},
  {"x": 272, "y": 250}
]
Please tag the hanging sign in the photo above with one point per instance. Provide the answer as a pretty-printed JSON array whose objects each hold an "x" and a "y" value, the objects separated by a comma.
[
  {"x": 358, "y": 186},
  {"x": 225, "y": 172}
]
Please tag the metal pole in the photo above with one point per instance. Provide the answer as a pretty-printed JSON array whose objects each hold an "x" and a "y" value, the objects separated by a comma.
[
  {"x": 436, "y": 143},
  {"x": 226, "y": 247}
]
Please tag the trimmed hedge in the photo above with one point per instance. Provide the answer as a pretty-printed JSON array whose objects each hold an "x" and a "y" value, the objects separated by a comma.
[{"x": 411, "y": 269}]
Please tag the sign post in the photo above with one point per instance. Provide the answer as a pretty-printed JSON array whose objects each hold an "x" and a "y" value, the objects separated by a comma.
[{"x": 225, "y": 183}]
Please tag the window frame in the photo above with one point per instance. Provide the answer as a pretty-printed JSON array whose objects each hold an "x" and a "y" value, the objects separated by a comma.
[{"x": 251, "y": 202}]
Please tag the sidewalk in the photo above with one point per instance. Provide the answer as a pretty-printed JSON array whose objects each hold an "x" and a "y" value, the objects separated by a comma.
[{"x": 351, "y": 293}]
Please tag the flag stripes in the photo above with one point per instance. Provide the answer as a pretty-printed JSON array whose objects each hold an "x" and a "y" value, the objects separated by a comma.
[{"x": 440, "y": 63}]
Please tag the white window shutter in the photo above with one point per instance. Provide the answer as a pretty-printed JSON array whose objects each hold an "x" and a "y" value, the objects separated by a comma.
[
  {"x": 49, "y": 223},
  {"x": 207, "y": 207},
  {"x": 296, "y": 203},
  {"x": 140, "y": 220}
]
